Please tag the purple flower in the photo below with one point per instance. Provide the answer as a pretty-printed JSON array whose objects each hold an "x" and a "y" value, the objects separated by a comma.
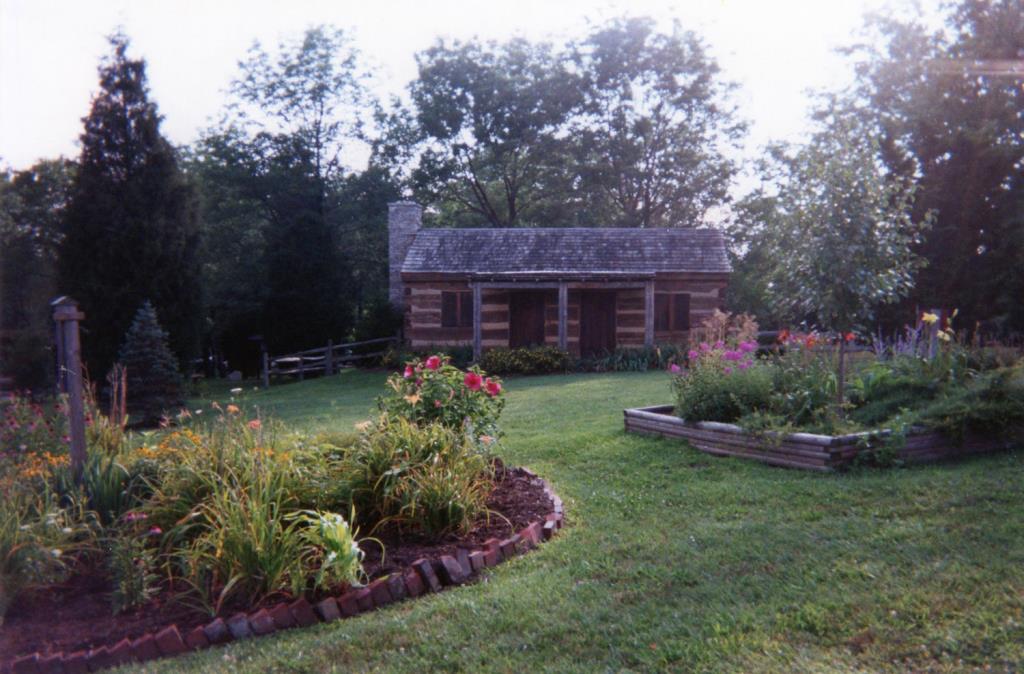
[
  {"x": 719, "y": 344},
  {"x": 747, "y": 347},
  {"x": 745, "y": 364},
  {"x": 693, "y": 355},
  {"x": 674, "y": 369},
  {"x": 704, "y": 346},
  {"x": 732, "y": 355},
  {"x": 727, "y": 370}
]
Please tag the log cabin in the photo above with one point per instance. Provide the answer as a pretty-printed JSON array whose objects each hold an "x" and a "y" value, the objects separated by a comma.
[{"x": 584, "y": 290}]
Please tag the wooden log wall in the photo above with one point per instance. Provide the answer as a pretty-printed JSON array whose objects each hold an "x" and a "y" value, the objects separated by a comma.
[
  {"x": 705, "y": 297},
  {"x": 423, "y": 312},
  {"x": 796, "y": 450},
  {"x": 423, "y": 315}
]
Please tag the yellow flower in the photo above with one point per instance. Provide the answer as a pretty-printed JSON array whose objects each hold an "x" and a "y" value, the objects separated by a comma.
[
  {"x": 929, "y": 318},
  {"x": 944, "y": 336},
  {"x": 413, "y": 399}
]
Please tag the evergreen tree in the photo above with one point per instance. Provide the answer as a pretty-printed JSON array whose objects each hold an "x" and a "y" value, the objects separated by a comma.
[
  {"x": 131, "y": 225},
  {"x": 154, "y": 382}
]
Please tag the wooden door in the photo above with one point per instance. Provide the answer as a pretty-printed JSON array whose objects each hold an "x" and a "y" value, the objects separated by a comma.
[
  {"x": 526, "y": 318},
  {"x": 597, "y": 322}
]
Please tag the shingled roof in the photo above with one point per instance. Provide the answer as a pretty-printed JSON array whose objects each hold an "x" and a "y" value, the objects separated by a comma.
[{"x": 568, "y": 251}]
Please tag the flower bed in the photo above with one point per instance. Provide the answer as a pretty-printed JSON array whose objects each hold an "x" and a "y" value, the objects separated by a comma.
[
  {"x": 808, "y": 451},
  {"x": 225, "y": 513},
  {"x": 437, "y": 568}
]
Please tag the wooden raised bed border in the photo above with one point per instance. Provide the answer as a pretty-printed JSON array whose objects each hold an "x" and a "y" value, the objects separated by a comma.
[{"x": 796, "y": 450}]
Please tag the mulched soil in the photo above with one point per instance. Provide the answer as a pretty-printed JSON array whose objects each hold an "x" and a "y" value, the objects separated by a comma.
[{"x": 76, "y": 614}]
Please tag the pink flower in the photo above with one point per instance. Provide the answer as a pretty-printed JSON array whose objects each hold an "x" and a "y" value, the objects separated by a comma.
[
  {"x": 419, "y": 381},
  {"x": 732, "y": 355},
  {"x": 727, "y": 370},
  {"x": 704, "y": 346},
  {"x": 255, "y": 424},
  {"x": 693, "y": 355},
  {"x": 473, "y": 381},
  {"x": 719, "y": 344},
  {"x": 747, "y": 347},
  {"x": 408, "y": 371},
  {"x": 492, "y": 387},
  {"x": 674, "y": 369},
  {"x": 433, "y": 362},
  {"x": 155, "y": 531},
  {"x": 437, "y": 403},
  {"x": 745, "y": 364},
  {"x": 134, "y": 516}
]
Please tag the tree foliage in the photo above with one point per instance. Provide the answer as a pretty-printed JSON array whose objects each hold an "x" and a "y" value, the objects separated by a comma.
[
  {"x": 155, "y": 385},
  {"x": 32, "y": 204},
  {"x": 957, "y": 131},
  {"x": 491, "y": 118},
  {"x": 279, "y": 156},
  {"x": 131, "y": 226},
  {"x": 651, "y": 135},
  {"x": 839, "y": 242},
  {"x": 625, "y": 127}
]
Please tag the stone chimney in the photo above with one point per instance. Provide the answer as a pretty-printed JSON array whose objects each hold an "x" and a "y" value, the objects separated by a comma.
[{"x": 404, "y": 219}]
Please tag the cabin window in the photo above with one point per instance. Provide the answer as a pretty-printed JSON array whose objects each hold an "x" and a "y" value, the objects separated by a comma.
[
  {"x": 457, "y": 309},
  {"x": 671, "y": 312}
]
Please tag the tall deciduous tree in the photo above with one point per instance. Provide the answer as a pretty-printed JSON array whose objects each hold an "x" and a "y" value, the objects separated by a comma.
[
  {"x": 950, "y": 115},
  {"x": 651, "y": 137},
  {"x": 281, "y": 153},
  {"x": 32, "y": 204},
  {"x": 491, "y": 119},
  {"x": 841, "y": 241},
  {"x": 132, "y": 223}
]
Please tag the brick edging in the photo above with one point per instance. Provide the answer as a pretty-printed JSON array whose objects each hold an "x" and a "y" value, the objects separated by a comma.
[{"x": 421, "y": 577}]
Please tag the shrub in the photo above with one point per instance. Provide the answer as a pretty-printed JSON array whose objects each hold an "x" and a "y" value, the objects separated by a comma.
[
  {"x": 433, "y": 390},
  {"x": 721, "y": 384},
  {"x": 427, "y": 478},
  {"x": 155, "y": 385},
  {"x": 991, "y": 404},
  {"x": 459, "y": 356},
  {"x": 525, "y": 360}
]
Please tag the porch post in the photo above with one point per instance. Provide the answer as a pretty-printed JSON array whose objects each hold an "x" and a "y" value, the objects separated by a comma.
[
  {"x": 649, "y": 314},
  {"x": 476, "y": 321},
  {"x": 563, "y": 316}
]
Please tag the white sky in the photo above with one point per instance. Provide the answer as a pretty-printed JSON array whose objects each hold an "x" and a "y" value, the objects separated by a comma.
[{"x": 776, "y": 50}]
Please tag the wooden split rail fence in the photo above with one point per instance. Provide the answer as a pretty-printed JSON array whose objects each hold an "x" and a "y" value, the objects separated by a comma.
[{"x": 325, "y": 360}]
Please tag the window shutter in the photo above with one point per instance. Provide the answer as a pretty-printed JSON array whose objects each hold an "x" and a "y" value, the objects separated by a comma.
[
  {"x": 449, "y": 310},
  {"x": 661, "y": 318},
  {"x": 681, "y": 312},
  {"x": 466, "y": 310}
]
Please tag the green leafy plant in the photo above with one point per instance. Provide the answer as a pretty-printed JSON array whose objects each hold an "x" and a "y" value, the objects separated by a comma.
[
  {"x": 36, "y": 537},
  {"x": 332, "y": 549},
  {"x": 433, "y": 390},
  {"x": 132, "y": 568},
  {"x": 525, "y": 360}
]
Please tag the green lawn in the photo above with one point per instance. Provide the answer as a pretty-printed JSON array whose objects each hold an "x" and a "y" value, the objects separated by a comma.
[{"x": 676, "y": 560}]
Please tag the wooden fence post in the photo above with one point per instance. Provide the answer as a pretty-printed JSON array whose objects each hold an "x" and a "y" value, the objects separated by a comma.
[
  {"x": 67, "y": 316},
  {"x": 329, "y": 359}
]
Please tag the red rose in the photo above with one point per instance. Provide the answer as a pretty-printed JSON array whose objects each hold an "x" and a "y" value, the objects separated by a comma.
[
  {"x": 433, "y": 362},
  {"x": 473, "y": 381},
  {"x": 493, "y": 388},
  {"x": 408, "y": 371},
  {"x": 850, "y": 337}
]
